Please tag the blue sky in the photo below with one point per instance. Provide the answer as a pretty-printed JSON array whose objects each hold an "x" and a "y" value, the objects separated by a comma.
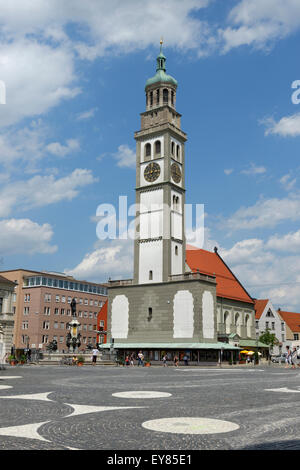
[{"x": 75, "y": 75}]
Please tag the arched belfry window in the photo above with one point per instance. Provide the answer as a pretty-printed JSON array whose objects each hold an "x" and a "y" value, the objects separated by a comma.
[
  {"x": 172, "y": 97},
  {"x": 150, "y": 275},
  {"x": 148, "y": 151},
  {"x": 165, "y": 95},
  {"x": 157, "y": 147},
  {"x": 151, "y": 98},
  {"x": 178, "y": 152},
  {"x": 157, "y": 96},
  {"x": 176, "y": 250},
  {"x": 172, "y": 148}
]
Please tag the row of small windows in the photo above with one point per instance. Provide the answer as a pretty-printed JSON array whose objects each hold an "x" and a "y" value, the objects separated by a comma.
[
  {"x": 175, "y": 149},
  {"x": 64, "y": 284},
  {"x": 155, "y": 96}
]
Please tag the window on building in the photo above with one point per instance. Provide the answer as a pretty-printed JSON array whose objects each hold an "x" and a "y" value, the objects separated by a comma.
[
  {"x": 45, "y": 339},
  {"x": 150, "y": 275},
  {"x": 267, "y": 324},
  {"x": 282, "y": 338},
  {"x": 47, "y": 297},
  {"x": 173, "y": 148},
  {"x": 157, "y": 96},
  {"x": 46, "y": 325},
  {"x": 61, "y": 339},
  {"x": 151, "y": 98},
  {"x": 172, "y": 97},
  {"x": 102, "y": 323},
  {"x": 147, "y": 151},
  {"x": 69, "y": 312},
  {"x": 62, "y": 325},
  {"x": 26, "y": 310},
  {"x": 273, "y": 325},
  {"x": 150, "y": 313},
  {"x": 57, "y": 298},
  {"x": 91, "y": 314},
  {"x": 86, "y": 302},
  {"x": 46, "y": 310},
  {"x": 157, "y": 147},
  {"x": 55, "y": 324},
  {"x": 176, "y": 250},
  {"x": 178, "y": 152},
  {"x": 56, "y": 311},
  {"x": 165, "y": 96},
  {"x": 62, "y": 311},
  {"x": 63, "y": 299},
  {"x": 282, "y": 326},
  {"x": 25, "y": 325},
  {"x": 85, "y": 315},
  {"x": 296, "y": 336},
  {"x": 256, "y": 324},
  {"x": 69, "y": 300}
]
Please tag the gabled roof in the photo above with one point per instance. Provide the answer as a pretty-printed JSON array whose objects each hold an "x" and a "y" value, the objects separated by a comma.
[
  {"x": 260, "y": 305},
  {"x": 207, "y": 262},
  {"x": 292, "y": 319}
]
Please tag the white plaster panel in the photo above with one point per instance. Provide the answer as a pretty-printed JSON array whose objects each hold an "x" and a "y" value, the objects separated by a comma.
[
  {"x": 183, "y": 314},
  {"x": 176, "y": 267},
  {"x": 150, "y": 259},
  {"x": 208, "y": 321},
  {"x": 119, "y": 317},
  {"x": 176, "y": 225},
  {"x": 151, "y": 225},
  {"x": 151, "y": 200}
]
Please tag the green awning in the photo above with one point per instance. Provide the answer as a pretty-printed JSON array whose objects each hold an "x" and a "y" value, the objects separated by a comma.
[
  {"x": 217, "y": 345},
  {"x": 252, "y": 343}
]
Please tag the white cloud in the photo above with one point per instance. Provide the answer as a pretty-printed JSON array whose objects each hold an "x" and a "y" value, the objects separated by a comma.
[
  {"x": 22, "y": 236},
  {"x": 288, "y": 182},
  {"x": 62, "y": 150},
  {"x": 125, "y": 156},
  {"x": 288, "y": 243},
  {"x": 254, "y": 170},
  {"x": 111, "y": 259},
  {"x": 259, "y": 23},
  {"x": 87, "y": 114},
  {"x": 267, "y": 269},
  {"x": 228, "y": 171},
  {"x": 43, "y": 190},
  {"x": 288, "y": 126},
  {"x": 37, "y": 78},
  {"x": 266, "y": 213}
]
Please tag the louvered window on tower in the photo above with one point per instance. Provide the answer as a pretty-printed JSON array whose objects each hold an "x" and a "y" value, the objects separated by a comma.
[{"x": 165, "y": 95}]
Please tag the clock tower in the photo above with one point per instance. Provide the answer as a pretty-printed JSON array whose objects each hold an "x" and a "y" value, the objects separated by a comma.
[{"x": 159, "y": 250}]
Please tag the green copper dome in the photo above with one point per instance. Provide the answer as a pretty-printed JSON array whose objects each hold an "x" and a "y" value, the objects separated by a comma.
[{"x": 161, "y": 75}]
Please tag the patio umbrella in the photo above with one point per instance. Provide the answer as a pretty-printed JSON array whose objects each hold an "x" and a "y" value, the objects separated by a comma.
[
  {"x": 250, "y": 353},
  {"x": 244, "y": 352}
]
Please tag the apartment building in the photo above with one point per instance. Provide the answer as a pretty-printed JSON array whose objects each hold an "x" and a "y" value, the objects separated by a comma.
[{"x": 42, "y": 311}]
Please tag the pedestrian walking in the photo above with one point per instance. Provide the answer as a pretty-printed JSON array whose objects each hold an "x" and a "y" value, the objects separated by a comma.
[
  {"x": 140, "y": 359},
  {"x": 132, "y": 360},
  {"x": 95, "y": 353},
  {"x": 176, "y": 361},
  {"x": 185, "y": 359},
  {"x": 294, "y": 358},
  {"x": 288, "y": 357},
  {"x": 165, "y": 361},
  {"x": 127, "y": 361}
]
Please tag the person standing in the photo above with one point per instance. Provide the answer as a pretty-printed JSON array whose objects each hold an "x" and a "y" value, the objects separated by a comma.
[
  {"x": 185, "y": 358},
  {"x": 131, "y": 360},
  {"x": 176, "y": 361},
  {"x": 288, "y": 357},
  {"x": 95, "y": 353},
  {"x": 140, "y": 358},
  {"x": 165, "y": 360},
  {"x": 294, "y": 358}
]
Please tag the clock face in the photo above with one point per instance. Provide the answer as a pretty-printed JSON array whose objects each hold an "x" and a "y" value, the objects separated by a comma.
[
  {"x": 176, "y": 173},
  {"x": 152, "y": 172}
]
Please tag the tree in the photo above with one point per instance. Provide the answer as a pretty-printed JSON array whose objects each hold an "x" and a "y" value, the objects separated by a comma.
[{"x": 269, "y": 338}]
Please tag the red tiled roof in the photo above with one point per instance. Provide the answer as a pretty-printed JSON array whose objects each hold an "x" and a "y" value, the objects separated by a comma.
[
  {"x": 292, "y": 320},
  {"x": 210, "y": 263},
  {"x": 259, "y": 306}
]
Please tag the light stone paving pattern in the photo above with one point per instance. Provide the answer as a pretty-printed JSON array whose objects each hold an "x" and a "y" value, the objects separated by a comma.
[
  {"x": 141, "y": 394},
  {"x": 183, "y": 425}
]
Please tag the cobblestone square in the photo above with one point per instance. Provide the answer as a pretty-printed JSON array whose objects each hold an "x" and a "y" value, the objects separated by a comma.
[{"x": 149, "y": 408}]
